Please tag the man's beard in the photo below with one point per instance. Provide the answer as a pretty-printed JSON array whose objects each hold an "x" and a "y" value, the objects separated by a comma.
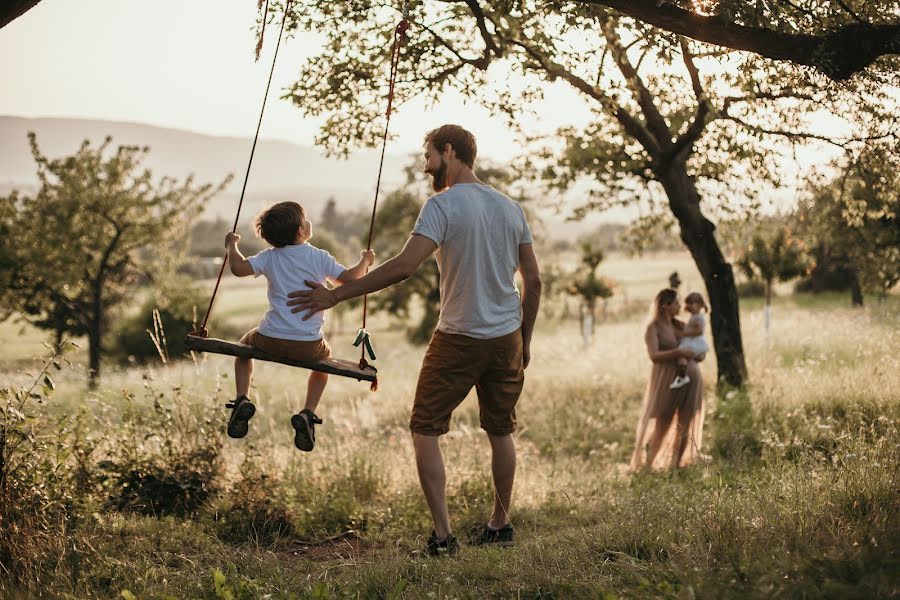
[{"x": 439, "y": 178}]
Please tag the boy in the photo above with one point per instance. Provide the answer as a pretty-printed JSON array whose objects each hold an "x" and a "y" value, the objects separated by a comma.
[{"x": 287, "y": 265}]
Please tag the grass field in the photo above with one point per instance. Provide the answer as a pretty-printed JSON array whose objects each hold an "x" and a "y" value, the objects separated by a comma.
[{"x": 152, "y": 501}]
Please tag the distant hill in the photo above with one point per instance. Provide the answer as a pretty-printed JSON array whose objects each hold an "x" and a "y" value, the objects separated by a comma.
[{"x": 281, "y": 170}]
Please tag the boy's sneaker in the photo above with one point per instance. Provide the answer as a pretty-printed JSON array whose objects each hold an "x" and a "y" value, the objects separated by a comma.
[
  {"x": 242, "y": 410},
  {"x": 305, "y": 429},
  {"x": 501, "y": 537},
  {"x": 680, "y": 382},
  {"x": 449, "y": 546}
]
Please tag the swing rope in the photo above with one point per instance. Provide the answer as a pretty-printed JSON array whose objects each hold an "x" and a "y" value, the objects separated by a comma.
[
  {"x": 203, "y": 330},
  {"x": 362, "y": 338}
]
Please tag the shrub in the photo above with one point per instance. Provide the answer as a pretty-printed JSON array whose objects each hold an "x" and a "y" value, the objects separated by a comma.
[
  {"x": 256, "y": 509},
  {"x": 751, "y": 289},
  {"x": 158, "y": 329},
  {"x": 162, "y": 462},
  {"x": 39, "y": 495}
]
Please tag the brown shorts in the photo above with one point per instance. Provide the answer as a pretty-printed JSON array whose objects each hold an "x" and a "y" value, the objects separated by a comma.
[
  {"x": 455, "y": 363},
  {"x": 312, "y": 351}
]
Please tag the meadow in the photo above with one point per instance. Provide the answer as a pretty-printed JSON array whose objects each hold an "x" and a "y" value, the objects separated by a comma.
[{"x": 142, "y": 496}]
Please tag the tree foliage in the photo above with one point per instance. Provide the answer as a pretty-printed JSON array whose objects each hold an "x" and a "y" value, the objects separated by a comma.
[
  {"x": 586, "y": 283},
  {"x": 838, "y": 38},
  {"x": 852, "y": 219},
  {"x": 773, "y": 256},
  {"x": 678, "y": 127},
  {"x": 98, "y": 225}
]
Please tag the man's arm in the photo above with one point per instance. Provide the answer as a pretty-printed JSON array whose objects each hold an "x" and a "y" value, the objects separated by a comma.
[
  {"x": 392, "y": 271},
  {"x": 531, "y": 295}
]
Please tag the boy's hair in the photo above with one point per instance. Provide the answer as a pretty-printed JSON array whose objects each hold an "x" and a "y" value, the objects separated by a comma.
[
  {"x": 279, "y": 223},
  {"x": 696, "y": 298},
  {"x": 461, "y": 140}
]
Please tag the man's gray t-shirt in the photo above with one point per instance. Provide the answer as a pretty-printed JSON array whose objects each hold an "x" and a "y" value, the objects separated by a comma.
[{"x": 478, "y": 231}]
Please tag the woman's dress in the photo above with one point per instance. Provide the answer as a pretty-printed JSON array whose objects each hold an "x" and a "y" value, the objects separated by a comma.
[{"x": 676, "y": 412}]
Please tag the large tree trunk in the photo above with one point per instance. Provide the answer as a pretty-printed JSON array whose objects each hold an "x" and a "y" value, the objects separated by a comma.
[{"x": 698, "y": 234}]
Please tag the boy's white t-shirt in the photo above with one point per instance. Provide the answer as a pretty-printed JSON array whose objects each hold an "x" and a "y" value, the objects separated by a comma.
[
  {"x": 478, "y": 231},
  {"x": 286, "y": 270}
]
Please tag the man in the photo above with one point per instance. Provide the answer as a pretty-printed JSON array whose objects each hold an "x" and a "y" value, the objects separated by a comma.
[{"x": 483, "y": 338}]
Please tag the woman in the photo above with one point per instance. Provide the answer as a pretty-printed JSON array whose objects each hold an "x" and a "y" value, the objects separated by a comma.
[{"x": 671, "y": 425}]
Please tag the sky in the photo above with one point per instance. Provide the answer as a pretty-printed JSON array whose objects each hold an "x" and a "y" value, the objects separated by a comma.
[{"x": 189, "y": 64}]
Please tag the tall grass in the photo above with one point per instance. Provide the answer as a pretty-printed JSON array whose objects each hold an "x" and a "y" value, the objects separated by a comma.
[{"x": 804, "y": 506}]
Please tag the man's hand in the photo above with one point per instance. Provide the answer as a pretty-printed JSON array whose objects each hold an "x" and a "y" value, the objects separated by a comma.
[
  {"x": 526, "y": 353},
  {"x": 232, "y": 238},
  {"x": 314, "y": 300},
  {"x": 368, "y": 256}
]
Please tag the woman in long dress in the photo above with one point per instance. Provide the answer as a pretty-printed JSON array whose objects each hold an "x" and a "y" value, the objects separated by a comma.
[{"x": 670, "y": 430}]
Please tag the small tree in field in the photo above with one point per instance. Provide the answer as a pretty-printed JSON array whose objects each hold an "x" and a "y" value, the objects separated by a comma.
[
  {"x": 96, "y": 228},
  {"x": 771, "y": 258},
  {"x": 589, "y": 287},
  {"x": 852, "y": 219}
]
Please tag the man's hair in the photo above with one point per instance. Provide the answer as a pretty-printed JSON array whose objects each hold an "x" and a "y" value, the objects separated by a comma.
[
  {"x": 461, "y": 140},
  {"x": 279, "y": 223}
]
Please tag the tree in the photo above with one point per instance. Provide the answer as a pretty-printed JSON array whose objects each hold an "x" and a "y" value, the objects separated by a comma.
[
  {"x": 589, "y": 287},
  {"x": 97, "y": 226},
  {"x": 839, "y": 38},
  {"x": 665, "y": 137},
  {"x": 852, "y": 219},
  {"x": 772, "y": 257}
]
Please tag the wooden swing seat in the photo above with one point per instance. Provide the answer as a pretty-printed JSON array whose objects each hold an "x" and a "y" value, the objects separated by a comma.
[{"x": 332, "y": 366}]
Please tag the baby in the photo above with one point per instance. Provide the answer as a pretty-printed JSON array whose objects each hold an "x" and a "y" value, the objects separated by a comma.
[
  {"x": 691, "y": 337},
  {"x": 287, "y": 265}
]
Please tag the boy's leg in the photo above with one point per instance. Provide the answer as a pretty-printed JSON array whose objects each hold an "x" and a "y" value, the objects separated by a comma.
[
  {"x": 682, "y": 366},
  {"x": 243, "y": 372},
  {"x": 242, "y": 410},
  {"x": 314, "y": 388}
]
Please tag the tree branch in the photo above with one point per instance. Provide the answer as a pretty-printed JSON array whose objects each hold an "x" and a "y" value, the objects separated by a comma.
[
  {"x": 655, "y": 121},
  {"x": 695, "y": 129},
  {"x": 631, "y": 125},
  {"x": 838, "y": 54},
  {"x": 15, "y": 9},
  {"x": 490, "y": 45}
]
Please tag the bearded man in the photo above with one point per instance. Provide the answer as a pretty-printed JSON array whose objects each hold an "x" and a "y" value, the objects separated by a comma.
[{"x": 483, "y": 337}]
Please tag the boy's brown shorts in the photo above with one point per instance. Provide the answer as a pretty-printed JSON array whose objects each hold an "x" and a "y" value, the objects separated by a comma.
[
  {"x": 312, "y": 351},
  {"x": 453, "y": 364}
]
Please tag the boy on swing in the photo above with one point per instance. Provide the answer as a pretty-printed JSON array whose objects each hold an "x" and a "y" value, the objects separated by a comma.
[{"x": 290, "y": 262}]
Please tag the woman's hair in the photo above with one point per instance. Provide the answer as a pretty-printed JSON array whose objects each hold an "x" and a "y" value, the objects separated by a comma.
[
  {"x": 663, "y": 299},
  {"x": 696, "y": 298},
  {"x": 278, "y": 224}
]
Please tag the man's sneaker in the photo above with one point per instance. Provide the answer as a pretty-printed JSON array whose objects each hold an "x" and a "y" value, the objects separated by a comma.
[
  {"x": 449, "y": 546},
  {"x": 680, "y": 382},
  {"x": 305, "y": 429},
  {"x": 242, "y": 410},
  {"x": 501, "y": 537}
]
